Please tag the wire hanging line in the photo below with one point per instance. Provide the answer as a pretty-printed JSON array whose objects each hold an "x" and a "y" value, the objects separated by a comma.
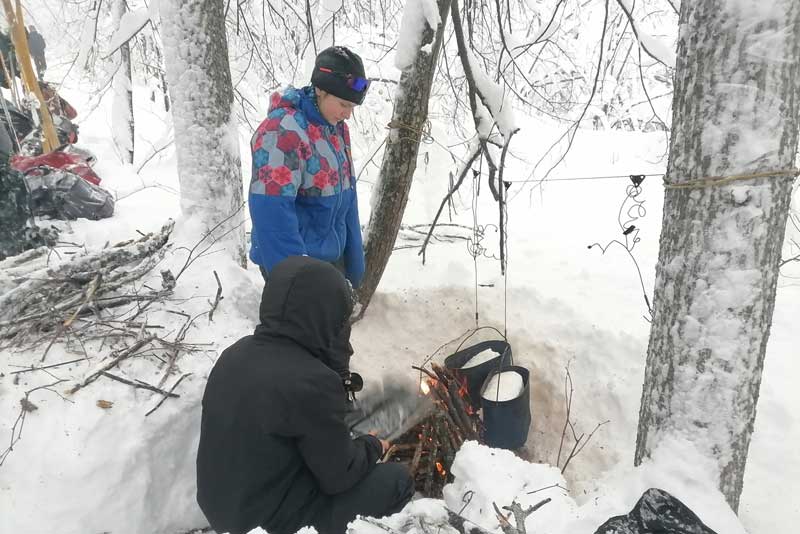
[
  {"x": 578, "y": 178},
  {"x": 711, "y": 181}
]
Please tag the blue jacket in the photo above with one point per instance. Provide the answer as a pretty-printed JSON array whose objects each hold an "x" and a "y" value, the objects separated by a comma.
[{"x": 303, "y": 190}]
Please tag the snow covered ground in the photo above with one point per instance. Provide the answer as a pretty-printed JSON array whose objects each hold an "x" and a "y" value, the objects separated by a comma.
[{"x": 80, "y": 468}]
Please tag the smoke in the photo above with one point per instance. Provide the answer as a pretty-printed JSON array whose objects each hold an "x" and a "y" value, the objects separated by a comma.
[{"x": 388, "y": 409}]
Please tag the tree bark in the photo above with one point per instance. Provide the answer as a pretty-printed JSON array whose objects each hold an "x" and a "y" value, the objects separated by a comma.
[
  {"x": 735, "y": 112},
  {"x": 206, "y": 138},
  {"x": 122, "y": 118},
  {"x": 400, "y": 156}
]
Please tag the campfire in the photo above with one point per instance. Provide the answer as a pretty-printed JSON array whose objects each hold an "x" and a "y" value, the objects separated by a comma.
[{"x": 429, "y": 448}]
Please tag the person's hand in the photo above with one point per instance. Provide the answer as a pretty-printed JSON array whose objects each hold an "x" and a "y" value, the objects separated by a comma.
[{"x": 384, "y": 443}]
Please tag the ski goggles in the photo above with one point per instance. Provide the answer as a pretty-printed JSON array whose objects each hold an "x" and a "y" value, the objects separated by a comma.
[{"x": 356, "y": 83}]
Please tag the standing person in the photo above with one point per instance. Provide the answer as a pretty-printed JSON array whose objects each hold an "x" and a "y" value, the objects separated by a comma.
[
  {"x": 303, "y": 189},
  {"x": 274, "y": 449},
  {"x": 37, "y": 45},
  {"x": 10, "y": 69}
]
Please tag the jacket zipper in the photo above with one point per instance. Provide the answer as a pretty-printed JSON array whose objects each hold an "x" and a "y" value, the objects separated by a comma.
[{"x": 339, "y": 195}]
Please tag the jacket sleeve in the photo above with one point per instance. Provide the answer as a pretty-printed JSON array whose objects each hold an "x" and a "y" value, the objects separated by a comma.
[
  {"x": 336, "y": 461},
  {"x": 277, "y": 176},
  {"x": 354, "y": 247}
]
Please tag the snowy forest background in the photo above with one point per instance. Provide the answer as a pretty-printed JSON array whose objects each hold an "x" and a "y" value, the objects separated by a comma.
[{"x": 588, "y": 96}]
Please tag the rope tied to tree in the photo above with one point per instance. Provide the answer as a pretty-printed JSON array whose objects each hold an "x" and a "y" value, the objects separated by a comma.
[
  {"x": 711, "y": 181},
  {"x": 424, "y": 133}
]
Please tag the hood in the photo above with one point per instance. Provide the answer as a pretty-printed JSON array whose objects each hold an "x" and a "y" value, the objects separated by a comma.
[
  {"x": 303, "y": 100},
  {"x": 309, "y": 301}
]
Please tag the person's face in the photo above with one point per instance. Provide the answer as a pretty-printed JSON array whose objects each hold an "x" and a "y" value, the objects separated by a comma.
[{"x": 333, "y": 108}]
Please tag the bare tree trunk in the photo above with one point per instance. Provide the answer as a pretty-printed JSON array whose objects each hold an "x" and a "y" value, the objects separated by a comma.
[
  {"x": 122, "y": 124},
  {"x": 206, "y": 138},
  {"x": 735, "y": 113},
  {"x": 400, "y": 157}
]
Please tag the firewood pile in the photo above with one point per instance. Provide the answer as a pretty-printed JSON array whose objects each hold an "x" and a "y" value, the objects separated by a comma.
[
  {"x": 40, "y": 302},
  {"x": 430, "y": 447}
]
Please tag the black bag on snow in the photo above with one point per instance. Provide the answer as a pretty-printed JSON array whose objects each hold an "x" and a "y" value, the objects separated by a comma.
[
  {"x": 657, "y": 512},
  {"x": 63, "y": 195},
  {"x": 17, "y": 230}
]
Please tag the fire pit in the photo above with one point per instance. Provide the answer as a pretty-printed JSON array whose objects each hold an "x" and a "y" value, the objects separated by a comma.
[
  {"x": 428, "y": 426},
  {"x": 429, "y": 448}
]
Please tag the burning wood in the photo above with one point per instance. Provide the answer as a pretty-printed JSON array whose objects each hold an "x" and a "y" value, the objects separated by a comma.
[{"x": 430, "y": 447}]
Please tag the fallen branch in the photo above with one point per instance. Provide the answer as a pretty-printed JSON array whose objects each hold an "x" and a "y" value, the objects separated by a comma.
[
  {"x": 519, "y": 514},
  {"x": 139, "y": 384},
  {"x": 30, "y": 369},
  {"x": 176, "y": 346},
  {"x": 126, "y": 353},
  {"x": 217, "y": 298},
  {"x": 25, "y": 406},
  {"x": 547, "y": 488},
  {"x": 165, "y": 397}
]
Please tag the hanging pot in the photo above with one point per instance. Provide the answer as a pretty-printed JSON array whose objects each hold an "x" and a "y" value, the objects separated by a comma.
[
  {"x": 507, "y": 407},
  {"x": 476, "y": 375}
]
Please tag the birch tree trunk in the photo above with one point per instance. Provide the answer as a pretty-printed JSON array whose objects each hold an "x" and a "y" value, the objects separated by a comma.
[
  {"x": 206, "y": 139},
  {"x": 400, "y": 156},
  {"x": 122, "y": 124},
  {"x": 735, "y": 112}
]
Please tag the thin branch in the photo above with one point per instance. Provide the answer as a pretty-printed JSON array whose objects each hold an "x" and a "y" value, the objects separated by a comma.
[
  {"x": 126, "y": 353},
  {"x": 45, "y": 367},
  {"x": 464, "y": 170},
  {"x": 572, "y": 130},
  {"x": 629, "y": 14},
  {"x": 192, "y": 258},
  {"x": 165, "y": 397},
  {"x": 25, "y": 407},
  {"x": 568, "y": 390},
  {"x": 217, "y": 298},
  {"x": 139, "y": 384}
]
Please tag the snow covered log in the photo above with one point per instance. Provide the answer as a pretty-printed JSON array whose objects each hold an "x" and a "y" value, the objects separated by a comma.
[{"x": 735, "y": 115}]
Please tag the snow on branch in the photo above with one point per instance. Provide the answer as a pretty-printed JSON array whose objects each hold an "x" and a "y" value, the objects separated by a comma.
[
  {"x": 652, "y": 46},
  {"x": 131, "y": 23},
  {"x": 481, "y": 86},
  {"x": 493, "y": 98},
  {"x": 416, "y": 16}
]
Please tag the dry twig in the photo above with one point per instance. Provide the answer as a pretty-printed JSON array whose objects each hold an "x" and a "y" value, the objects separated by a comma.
[
  {"x": 26, "y": 406},
  {"x": 121, "y": 355},
  {"x": 578, "y": 441},
  {"x": 217, "y": 298},
  {"x": 165, "y": 397},
  {"x": 519, "y": 516}
]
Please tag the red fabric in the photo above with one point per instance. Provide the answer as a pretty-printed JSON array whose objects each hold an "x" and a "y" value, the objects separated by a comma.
[
  {"x": 289, "y": 141},
  {"x": 58, "y": 160},
  {"x": 282, "y": 175}
]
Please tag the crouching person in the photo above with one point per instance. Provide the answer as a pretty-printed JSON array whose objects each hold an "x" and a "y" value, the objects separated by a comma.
[{"x": 274, "y": 449}]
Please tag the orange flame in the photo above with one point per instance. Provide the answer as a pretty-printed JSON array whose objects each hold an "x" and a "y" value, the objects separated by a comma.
[
  {"x": 424, "y": 387},
  {"x": 440, "y": 469}
]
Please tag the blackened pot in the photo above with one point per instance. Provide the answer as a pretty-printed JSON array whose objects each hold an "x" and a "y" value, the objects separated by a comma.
[{"x": 476, "y": 376}]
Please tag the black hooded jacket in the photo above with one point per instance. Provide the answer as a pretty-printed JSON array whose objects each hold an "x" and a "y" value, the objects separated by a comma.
[{"x": 273, "y": 436}]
